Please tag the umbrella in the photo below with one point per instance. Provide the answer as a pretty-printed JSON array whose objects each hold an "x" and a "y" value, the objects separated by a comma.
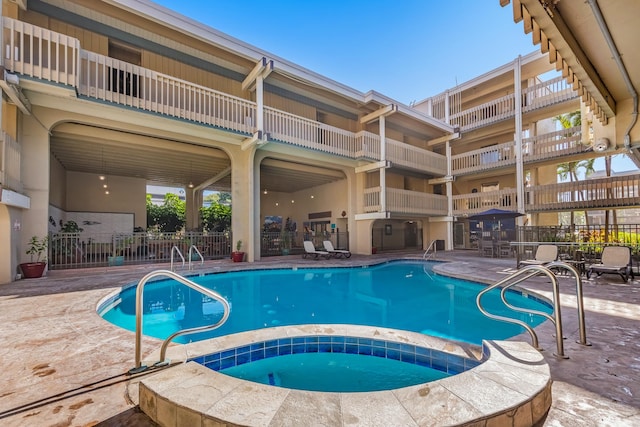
[{"x": 494, "y": 214}]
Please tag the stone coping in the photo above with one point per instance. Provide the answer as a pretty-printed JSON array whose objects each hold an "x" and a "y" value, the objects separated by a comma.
[{"x": 511, "y": 387}]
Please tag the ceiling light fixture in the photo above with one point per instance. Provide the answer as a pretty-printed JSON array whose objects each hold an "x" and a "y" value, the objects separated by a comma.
[{"x": 191, "y": 175}]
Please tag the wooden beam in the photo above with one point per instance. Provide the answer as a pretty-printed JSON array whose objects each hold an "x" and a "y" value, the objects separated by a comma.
[
  {"x": 384, "y": 111},
  {"x": 249, "y": 81},
  {"x": 443, "y": 139}
]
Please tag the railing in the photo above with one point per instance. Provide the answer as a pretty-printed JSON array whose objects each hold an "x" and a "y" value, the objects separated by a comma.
[
  {"x": 296, "y": 130},
  {"x": 553, "y": 144},
  {"x": 547, "y": 93},
  {"x": 176, "y": 250},
  {"x": 368, "y": 145},
  {"x": 415, "y": 202},
  {"x": 10, "y": 155},
  {"x": 486, "y": 158},
  {"x": 485, "y": 114},
  {"x": 139, "y": 312},
  {"x": 427, "y": 256},
  {"x": 405, "y": 201},
  {"x": 520, "y": 276},
  {"x": 193, "y": 250},
  {"x": 90, "y": 249},
  {"x": 611, "y": 192},
  {"x": 478, "y": 202},
  {"x": 108, "y": 79},
  {"x": 372, "y": 200},
  {"x": 40, "y": 53},
  {"x": 407, "y": 156}
]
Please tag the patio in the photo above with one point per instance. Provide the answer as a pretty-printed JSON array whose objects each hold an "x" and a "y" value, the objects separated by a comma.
[{"x": 63, "y": 365}]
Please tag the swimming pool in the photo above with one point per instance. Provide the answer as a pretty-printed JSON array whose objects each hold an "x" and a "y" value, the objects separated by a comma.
[{"x": 403, "y": 295}]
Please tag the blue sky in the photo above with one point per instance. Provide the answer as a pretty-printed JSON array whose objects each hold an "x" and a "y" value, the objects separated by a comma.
[{"x": 405, "y": 49}]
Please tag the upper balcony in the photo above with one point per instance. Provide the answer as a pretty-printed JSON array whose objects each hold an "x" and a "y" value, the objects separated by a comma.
[
  {"x": 604, "y": 193},
  {"x": 552, "y": 145},
  {"x": 46, "y": 55},
  {"x": 537, "y": 97}
]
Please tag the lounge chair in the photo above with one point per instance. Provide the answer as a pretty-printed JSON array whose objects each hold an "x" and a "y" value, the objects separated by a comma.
[
  {"x": 544, "y": 255},
  {"x": 615, "y": 260},
  {"x": 337, "y": 253},
  {"x": 310, "y": 250}
]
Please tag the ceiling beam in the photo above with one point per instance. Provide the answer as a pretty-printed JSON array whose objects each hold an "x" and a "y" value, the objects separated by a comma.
[
  {"x": 219, "y": 176},
  {"x": 263, "y": 67},
  {"x": 384, "y": 111},
  {"x": 443, "y": 139}
]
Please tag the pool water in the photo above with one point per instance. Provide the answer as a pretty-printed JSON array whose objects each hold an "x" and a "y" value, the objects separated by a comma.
[
  {"x": 335, "y": 372},
  {"x": 403, "y": 295}
]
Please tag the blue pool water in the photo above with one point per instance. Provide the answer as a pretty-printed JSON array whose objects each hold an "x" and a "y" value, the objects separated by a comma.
[
  {"x": 334, "y": 363},
  {"x": 334, "y": 372},
  {"x": 403, "y": 295}
]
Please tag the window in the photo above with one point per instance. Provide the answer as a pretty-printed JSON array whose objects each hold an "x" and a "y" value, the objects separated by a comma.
[{"x": 119, "y": 80}]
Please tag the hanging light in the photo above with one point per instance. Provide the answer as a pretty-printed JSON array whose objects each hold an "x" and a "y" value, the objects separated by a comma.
[{"x": 102, "y": 177}]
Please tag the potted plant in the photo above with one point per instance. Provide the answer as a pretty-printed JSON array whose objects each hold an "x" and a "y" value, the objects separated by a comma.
[
  {"x": 286, "y": 237},
  {"x": 35, "y": 268},
  {"x": 237, "y": 255},
  {"x": 120, "y": 244}
]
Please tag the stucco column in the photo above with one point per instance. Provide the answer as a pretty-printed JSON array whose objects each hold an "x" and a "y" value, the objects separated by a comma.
[
  {"x": 193, "y": 201},
  {"x": 244, "y": 209},
  {"x": 517, "y": 81},
  {"x": 35, "y": 178}
]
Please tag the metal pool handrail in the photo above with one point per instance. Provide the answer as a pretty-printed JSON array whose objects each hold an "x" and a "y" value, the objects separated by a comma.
[
  {"x": 532, "y": 270},
  {"x": 199, "y": 254},
  {"x": 139, "y": 303},
  {"x": 176, "y": 249},
  {"x": 425, "y": 256}
]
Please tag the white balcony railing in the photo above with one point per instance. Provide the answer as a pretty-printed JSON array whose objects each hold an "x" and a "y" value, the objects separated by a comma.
[
  {"x": 538, "y": 96},
  {"x": 486, "y": 158},
  {"x": 405, "y": 202},
  {"x": 410, "y": 157},
  {"x": 564, "y": 142},
  {"x": 468, "y": 204},
  {"x": 415, "y": 202},
  {"x": 296, "y": 130},
  {"x": 612, "y": 192},
  {"x": 369, "y": 145},
  {"x": 10, "y": 154},
  {"x": 108, "y": 79},
  {"x": 40, "y": 53},
  {"x": 547, "y": 93},
  {"x": 485, "y": 114}
]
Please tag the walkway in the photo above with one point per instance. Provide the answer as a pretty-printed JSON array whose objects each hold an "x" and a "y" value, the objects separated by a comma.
[{"x": 63, "y": 365}]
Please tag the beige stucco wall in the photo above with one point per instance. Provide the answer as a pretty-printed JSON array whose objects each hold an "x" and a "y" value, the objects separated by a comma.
[
  {"x": 127, "y": 195},
  {"x": 58, "y": 183}
]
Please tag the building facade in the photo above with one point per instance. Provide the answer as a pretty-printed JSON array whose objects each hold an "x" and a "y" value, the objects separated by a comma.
[{"x": 126, "y": 93}]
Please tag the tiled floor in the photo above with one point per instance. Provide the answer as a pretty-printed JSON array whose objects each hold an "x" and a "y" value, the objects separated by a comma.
[{"x": 63, "y": 365}]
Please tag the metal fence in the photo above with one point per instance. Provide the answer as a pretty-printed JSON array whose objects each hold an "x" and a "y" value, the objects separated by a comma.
[
  {"x": 589, "y": 240},
  {"x": 78, "y": 250},
  {"x": 73, "y": 250}
]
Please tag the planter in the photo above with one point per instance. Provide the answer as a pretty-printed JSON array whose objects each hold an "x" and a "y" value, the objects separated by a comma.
[
  {"x": 237, "y": 256},
  {"x": 115, "y": 260},
  {"x": 32, "y": 270}
]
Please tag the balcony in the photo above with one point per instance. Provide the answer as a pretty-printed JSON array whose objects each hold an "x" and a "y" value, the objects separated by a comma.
[
  {"x": 603, "y": 193},
  {"x": 46, "y": 55},
  {"x": 469, "y": 204},
  {"x": 401, "y": 201},
  {"x": 553, "y": 145},
  {"x": 541, "y": 95}
]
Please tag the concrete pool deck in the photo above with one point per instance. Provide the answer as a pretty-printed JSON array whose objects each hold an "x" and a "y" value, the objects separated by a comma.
[{"x": 62, "y": 365}]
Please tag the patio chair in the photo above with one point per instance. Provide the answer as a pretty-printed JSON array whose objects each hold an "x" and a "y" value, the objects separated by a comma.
[
  {"x": 615, "y": 260},
  {"x": 310, "y": 250},
  {"x": 544, "y": 255},
  {"x": 337, "y": 253}
]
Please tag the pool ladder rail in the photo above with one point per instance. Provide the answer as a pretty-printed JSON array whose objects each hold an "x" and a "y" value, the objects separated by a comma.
[
  {"x": 176, "y": 250},
  {"x": 528, "y": 272},
  {"x": 432, "y": 247},
  {"x": 139, "y": 367}
]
